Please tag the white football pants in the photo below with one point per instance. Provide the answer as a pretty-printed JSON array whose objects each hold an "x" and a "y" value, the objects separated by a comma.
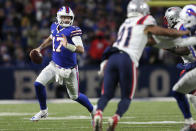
[
  {"x": 67, "y": 77},
  {"x": 186, "y": 83},
  {"x": 192, "y": 99}
]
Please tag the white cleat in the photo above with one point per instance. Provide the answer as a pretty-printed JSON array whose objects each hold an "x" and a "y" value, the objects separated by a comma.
[
  {"x": 186, "y": 128},
  {"x": 39, "y": 115}
]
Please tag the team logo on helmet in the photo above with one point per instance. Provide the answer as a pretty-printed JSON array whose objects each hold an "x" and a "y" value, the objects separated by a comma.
[{"x": 66, "y": 12}]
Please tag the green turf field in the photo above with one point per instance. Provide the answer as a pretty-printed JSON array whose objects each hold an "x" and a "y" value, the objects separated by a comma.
[{"x": 141, "y": 116}]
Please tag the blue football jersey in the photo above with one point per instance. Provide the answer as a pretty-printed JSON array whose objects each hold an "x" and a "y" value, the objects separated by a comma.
[
  {"x": 183, "y": 29},
  {"x": 61, "y": 55}
]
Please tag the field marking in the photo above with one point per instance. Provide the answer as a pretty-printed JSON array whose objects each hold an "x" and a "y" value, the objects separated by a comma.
[
  {"x": 152, "y": 122},
  {"x": 77, "y": 118},
  {"x": 14, "y": 114},
  {"x": 66, "y": 100}
]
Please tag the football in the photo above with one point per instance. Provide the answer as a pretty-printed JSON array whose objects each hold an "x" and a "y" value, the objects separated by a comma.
[{"x": 36, "y": 57}]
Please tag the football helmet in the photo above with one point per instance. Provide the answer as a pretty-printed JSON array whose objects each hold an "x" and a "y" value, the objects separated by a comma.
[
  {"x": 137, "y": 7},
  {"x": 172, "y": 16},
  {"x": 65, "y": 11},
  {"x": 188, "y": 16}
]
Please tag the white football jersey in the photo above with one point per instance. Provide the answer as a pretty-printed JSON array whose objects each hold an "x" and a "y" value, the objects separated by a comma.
[
  {"x": 131, "y": 38},
  {"x": 191, "y": 57}
]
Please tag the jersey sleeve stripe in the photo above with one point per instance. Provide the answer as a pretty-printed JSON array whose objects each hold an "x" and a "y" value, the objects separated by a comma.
[
  {"x": 141, "y": 21},
  {"x": 76, "y": 31},
  {"x": 76, "y": 34}
]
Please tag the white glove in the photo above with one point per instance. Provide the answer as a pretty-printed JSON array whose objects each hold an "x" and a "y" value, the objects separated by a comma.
[{"x": 102, "y": 67}]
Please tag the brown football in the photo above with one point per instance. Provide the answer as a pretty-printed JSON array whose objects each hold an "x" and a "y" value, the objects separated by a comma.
[{"x": 36, "y": 57}]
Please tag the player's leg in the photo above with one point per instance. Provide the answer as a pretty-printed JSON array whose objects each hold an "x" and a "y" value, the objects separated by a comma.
[
  {"x": 47, "y": 75},
  {"x": 184, "y": 86},
  {"x": 192, "y": 99},
  {"x": 128, "y": 85},
  {"x": 72, "y": 84},
  {"x": 110, "y": 83}
]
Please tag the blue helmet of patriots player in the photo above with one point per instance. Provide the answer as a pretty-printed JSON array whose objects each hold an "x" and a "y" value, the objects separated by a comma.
[
  {"x": 65, "y": 11},
  {"x": 137, "y": 7},
  {"x": 188, "y": 16},
  {"x": 172, "y": 16}
]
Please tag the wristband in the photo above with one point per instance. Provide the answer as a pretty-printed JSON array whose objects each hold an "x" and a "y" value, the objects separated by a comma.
[{"x": 71, "y": 47}]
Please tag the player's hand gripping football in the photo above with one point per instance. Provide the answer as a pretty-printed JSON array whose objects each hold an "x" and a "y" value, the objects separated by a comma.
[{"x": 36, "y": 56}]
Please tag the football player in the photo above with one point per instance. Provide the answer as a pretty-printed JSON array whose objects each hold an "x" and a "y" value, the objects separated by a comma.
[
  {"x": 123, "y": 59},
  {"x": 189, "y": 59},
  {"x": 66, "y": 43}
]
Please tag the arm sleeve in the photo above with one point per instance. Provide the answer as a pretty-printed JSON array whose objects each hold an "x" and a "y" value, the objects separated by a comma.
[
  {"x": 77, "y": 40},
  {"x": 150, "y": 20},
  {"x": 167, "y": 42},
  {"x": 181, "y": 42},
  {"x": 164, "y": 42}
]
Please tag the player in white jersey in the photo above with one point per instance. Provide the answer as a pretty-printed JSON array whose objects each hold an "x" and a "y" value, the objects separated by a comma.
[
  {"x": 123, "y": 59},
  {"x": 189, "y": 63}
]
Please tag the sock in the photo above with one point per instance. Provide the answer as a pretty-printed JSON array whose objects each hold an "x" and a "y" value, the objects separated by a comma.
[
  {"x": 41, "y": 95},
  {"x": 189, "y": 121},
  {"x": 83, "y": 100},
  {"x": 183, "y": 104}
]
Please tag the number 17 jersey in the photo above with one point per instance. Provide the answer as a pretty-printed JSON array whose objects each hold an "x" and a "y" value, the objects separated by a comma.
[
  {"x": 131, "y": 37},
  {"x": 61, "y": 55}
]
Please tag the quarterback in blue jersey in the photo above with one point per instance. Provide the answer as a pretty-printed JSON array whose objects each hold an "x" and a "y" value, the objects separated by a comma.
[{"x": 66, "y": 43}]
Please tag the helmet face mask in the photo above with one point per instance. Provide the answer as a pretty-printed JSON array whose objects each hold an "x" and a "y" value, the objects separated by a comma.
[
  {"x": 65, "y": 16},
  {"x": 188, "y": 16},
  {"x": 65, "y": 20},
  {"x": 172, "y": 16},
  {"x": 137, "y": 7}
]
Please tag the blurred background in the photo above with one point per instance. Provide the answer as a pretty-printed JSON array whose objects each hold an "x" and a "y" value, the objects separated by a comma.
[{"x": 24, "y": 24}]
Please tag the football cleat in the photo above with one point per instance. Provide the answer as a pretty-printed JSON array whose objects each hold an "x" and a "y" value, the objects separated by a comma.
[
  {"x": 97, "y": 123},
  {"x": 39, "y": 115},
  {"x": 189, "y": 127},
  {"x": 186, "y": 128},
  {"x": 112, "y": 122}
]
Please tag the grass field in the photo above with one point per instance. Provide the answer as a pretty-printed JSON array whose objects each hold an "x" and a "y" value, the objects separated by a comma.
[{"x": 141, "y": 116}]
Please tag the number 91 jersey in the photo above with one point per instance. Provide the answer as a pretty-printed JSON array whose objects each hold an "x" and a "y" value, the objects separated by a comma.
[
  {"x": 131, "y": 38},
  {"x": 61, "y": 55}
]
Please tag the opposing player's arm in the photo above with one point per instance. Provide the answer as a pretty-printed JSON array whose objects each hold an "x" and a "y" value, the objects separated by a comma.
[
  {"x": 78, "y": 47},
  {"x": 45, "y": 44},
  {"x": 156, "y": 30}
]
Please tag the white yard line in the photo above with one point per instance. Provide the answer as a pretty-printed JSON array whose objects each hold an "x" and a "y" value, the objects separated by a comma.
[
  {"x": 66, "y": 100},
  {"x": 14, "y": 114},
  {"x": 152, "y": 122}
]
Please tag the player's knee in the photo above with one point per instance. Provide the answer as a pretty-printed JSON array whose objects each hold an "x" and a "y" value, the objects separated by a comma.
[
  {"x": 177, "y": 95},
  {"x": 73, "y": 97},
  {"x": 38, "y": 84}
]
